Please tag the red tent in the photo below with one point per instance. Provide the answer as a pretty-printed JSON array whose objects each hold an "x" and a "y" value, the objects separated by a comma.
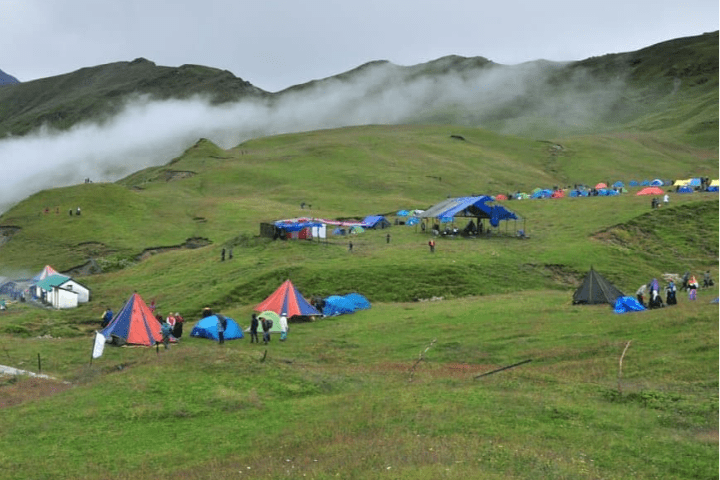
[
  {"x": 600, "y": 185},
  {"x": 500, "y": 197},
  {"x": 287, "y": 300},
  {"x": 46, "y": 272},
  {"x": 558, "y": 194},
  {"x": 134, "y": 324},
  {"x": 650, "y": 191}
]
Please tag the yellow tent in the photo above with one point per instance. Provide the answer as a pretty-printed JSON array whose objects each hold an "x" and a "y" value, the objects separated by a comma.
[
  {"x": 681, "y": 183},
  {"x": 715, "y": 183}
]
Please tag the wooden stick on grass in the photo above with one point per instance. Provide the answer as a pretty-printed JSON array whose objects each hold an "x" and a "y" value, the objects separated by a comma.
[
  {"x": 620, "y": 369},
  {"x": 412, "y": 369}
]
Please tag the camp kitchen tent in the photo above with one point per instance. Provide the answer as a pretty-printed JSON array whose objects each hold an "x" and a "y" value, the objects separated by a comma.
[
  {"x": 207, "y": 328},
  {"x": 134, "y": 324},
  {"x": 287, "y": 299},
  {"x": 268, "y": 315},
  {"x": 477, "y": 207},
  {"x": 44, "y": 273},
  {"x": 596, "y": 289}
]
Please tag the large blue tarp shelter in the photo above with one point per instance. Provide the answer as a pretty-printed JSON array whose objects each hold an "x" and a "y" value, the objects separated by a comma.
[
  {"x": 343, "y": 304},
  {"x": 469, "y": 207}
]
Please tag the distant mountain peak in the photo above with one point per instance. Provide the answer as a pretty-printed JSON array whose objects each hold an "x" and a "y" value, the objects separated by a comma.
[{"x": 6, "y": 79}]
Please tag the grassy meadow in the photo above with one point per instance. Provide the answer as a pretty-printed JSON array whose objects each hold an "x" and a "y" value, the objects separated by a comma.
[{"x": 390, "y": 392}]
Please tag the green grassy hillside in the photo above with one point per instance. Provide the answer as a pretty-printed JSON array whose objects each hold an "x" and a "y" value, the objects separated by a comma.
[{"x": 394, "y": 391}]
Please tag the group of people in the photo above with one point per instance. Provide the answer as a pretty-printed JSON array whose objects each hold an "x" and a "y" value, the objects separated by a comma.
[
  {"x": 171, "y": 327},
  {"x": 266, "y": 324},
  {"x": 689, "y": 284}
]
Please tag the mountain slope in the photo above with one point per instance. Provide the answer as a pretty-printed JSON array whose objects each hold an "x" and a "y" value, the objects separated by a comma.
[
  {"x": 6, "y": 79},
  {"x": 96, "y": 93},
  {"x": 670, "y": 87}
]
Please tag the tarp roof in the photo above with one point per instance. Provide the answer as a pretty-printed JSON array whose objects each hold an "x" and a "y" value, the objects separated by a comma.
[
  {"x": 52, "y": 281},
  {"x": 469, "y": 207}
]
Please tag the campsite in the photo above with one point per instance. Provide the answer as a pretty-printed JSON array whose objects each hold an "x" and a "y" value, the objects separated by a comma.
[{"x": 483, "y": 358}]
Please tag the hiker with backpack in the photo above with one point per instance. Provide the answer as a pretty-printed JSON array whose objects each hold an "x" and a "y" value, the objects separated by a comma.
[
  {"x": 221, "y": 326},
  {"x": 266, "y": 326}
]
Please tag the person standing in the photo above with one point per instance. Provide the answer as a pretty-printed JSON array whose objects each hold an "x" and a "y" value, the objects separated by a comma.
[
  {"x": 431, "y": 244},
  {"x": 221, "y": 324},
  {"x": 222, "y": 255},
  {"x": 178, "y": 329},
  {"x": 266, "y": 326},
  {"x": 166, "y": 332},
  {"x": 283, "y": 327},
  {"x": 350, "y": 246},
  {"x": 387, "y": 238},
  {"x": 253, "y": 329}
]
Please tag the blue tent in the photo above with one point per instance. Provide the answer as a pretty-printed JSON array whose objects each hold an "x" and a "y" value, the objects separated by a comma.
[
  {"x": 685, "y": 189},
  {"x": 657, "y": 183},
  {"x": 375, "y": 221},
  {"x": 712, "y": 188},
  {"x": 415, "y": 220},
  {"x": 634, "y": 183},
  {"x": 618, "y": 184},
  {"x": 339, "y": 305},
  {"x": 645, "y": 183},
  {"x": 207, "y": 328},
  {"x": 627, "y": 304},
  {"x": 542, "y": 194},
  {"x": 402, "y": 213},
  {"x": 695, "y": 182}
]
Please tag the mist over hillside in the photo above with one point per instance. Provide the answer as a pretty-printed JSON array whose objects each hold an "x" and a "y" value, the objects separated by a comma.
[{"x": 538, "y": 98}]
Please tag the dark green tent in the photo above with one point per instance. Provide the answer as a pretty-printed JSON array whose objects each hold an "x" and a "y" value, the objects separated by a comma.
[{"x": 596, "y": 289}]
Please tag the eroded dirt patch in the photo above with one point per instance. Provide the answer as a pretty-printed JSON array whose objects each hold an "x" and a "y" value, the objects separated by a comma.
[{"x": 17, "y": 390}]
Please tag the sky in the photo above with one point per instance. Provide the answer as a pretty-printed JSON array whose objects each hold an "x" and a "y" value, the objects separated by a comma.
[{"x": 276, "y": 44}]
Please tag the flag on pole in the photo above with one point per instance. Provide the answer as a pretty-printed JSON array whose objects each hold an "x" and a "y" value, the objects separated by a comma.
[{"x": 99, "y": 345}]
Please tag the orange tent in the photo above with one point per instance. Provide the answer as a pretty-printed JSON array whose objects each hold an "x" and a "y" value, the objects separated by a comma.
[{"x": 650, "y": 191}]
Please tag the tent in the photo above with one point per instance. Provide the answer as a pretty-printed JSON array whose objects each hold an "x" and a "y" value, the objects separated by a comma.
[
  {"x": 618, "y": 184},
  {"x": 628, "y": 304},
  {"x": 601, "y": 185},
  {"x": 501, "y": 197},
  {"x": 286, "y": 299},
  {"x": 375, "y": 221},
  {"x": 596, "y": 289},
  {"x": 134, "y": 324},
  {"x": 412, "y": 221},
  {"x": 650, "y": 191},
  {"x": 402, "y": 213},
  {"x": 634, "y": 183},
  {"x": 207, "y": 328},
  {"x": 558, "y": 194},
  {"x": 542, "y": 194},
  {"x": 657, "y": 183},
  {"x": 685, "y": 189},
  {"x": 350, "y": 303},
  {"x": 46, "y": 272}
]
